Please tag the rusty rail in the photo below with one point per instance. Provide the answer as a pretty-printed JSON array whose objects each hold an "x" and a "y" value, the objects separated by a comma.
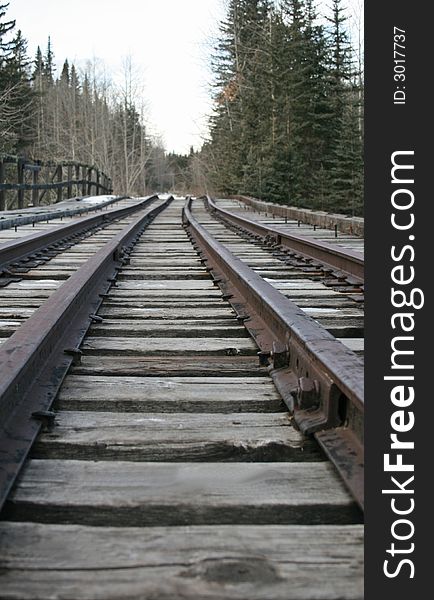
[
  {"x": 23, "y": 247},
  {"x": 320, "y": 380},
  {"x": 36, "y": 358},
  {"x": 348, "y": 262}
]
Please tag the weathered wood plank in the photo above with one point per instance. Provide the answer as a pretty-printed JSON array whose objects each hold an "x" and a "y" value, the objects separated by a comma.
[
  {"x": 169, "y": 328},
  {"x": 168, "y": 394},
  {"x": 296, "y": 284},
  {"x": 160, "y": 312},
  {"x": 211, "y": 292},
  {"x": 39, "y": 284},
  {"x": 163, "y": 274},
  {"x": 163, "y": 285},
  {"x": 175, "y": 437},
  {"x": 23, "y": 302},
  {"x": 162, "y": 302},
  {"x": 236, "y": 562},
  {"x": 136, "y": 494},
  {"x": 162, "y": 366},
  {"x": 16, "y": 313},
  {"x": 169, "y": 345}
]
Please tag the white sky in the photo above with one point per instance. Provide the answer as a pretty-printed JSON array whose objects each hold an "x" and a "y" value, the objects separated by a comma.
[{"x": 169, "y": 41}]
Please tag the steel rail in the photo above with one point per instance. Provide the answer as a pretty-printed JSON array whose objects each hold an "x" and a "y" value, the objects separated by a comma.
[
  {"x": 320, "y": 380},
  {"x": 36, "y": 358},
  {"x": 20, "y": 248},
  {"x": 346, "y": 261}
]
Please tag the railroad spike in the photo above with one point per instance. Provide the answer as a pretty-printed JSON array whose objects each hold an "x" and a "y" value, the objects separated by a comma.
[
  {"x": 280, "y": 355},
  {"x": 46, "y": 417},
  {"x": 96, "y": 318},
  {"x": 263, "y": 357},
  {"x": 232, "y": 351},
  {"x": 307, "y": 393},
  {"x": 76, "y": 354}
]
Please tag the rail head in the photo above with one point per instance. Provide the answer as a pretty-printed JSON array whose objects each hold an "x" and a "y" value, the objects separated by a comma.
[
  {"x": 320, "y": 379},
  {"x": 347, "y": 261}
]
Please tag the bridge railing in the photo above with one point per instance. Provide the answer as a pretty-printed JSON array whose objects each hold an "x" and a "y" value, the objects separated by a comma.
[{"x": 24, "y": 182}]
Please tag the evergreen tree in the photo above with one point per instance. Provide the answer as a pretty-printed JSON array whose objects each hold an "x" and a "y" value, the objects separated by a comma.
[
  {"x": 48, "y": 63},
  {"x": 16, "y": 95},
  {"x": 17, "y": 71},
  {"x": 284, "y": 123},
  {"x": 345, "y": 182},
  {"x": 64, "y": 77},
  {"x": 5, "y": 28}
]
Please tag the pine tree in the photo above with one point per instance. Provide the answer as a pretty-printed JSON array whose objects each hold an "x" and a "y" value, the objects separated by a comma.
[
  {"x": 48, "y": 63},
  {"x": 346, "y": 156},
  {"x": 5, "y": 28},
  {"x": 39, "y": 88},
  {"x": 17, "y": 71},
  {"x": 16, "y": 95},
  {"x": 64, "y": 76},
  {"x": 6, "y": 115}
]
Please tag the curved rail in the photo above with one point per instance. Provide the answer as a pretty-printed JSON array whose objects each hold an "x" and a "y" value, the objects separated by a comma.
[
  {"x": 319, "y": 378},
  {"x": 346, "y": 261},
  {"x": 34, "y": 361}
]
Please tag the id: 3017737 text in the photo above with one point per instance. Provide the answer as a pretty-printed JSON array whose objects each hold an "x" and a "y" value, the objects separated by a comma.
[{"x": 399, "y": 67}]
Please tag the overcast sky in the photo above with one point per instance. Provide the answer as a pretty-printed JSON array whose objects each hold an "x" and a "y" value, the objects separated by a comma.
[{"x": 169, "y": 42}]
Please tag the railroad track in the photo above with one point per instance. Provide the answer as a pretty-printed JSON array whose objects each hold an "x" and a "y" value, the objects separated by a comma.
[
  {"x": 32, "y": 268},
  {"x": 308, "y": 271},
  {"x": 330, "y": 240},
  {"x": 160, "y": 460}
]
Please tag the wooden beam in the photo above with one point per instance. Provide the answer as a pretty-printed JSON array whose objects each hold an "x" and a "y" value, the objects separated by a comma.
[
  {"x": 59, "y": 179},
  {"x": 89, "y": 181},
  {"x": 20, "y": 174},
  {"x": 2, "y": 192},
  {"x": 35, "y": 190},
  {"x": 69, "y": 187},
  {"x": 84, "y": 178}
]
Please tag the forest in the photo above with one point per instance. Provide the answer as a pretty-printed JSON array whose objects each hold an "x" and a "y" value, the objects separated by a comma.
[{"x": 286, "y": 125}]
